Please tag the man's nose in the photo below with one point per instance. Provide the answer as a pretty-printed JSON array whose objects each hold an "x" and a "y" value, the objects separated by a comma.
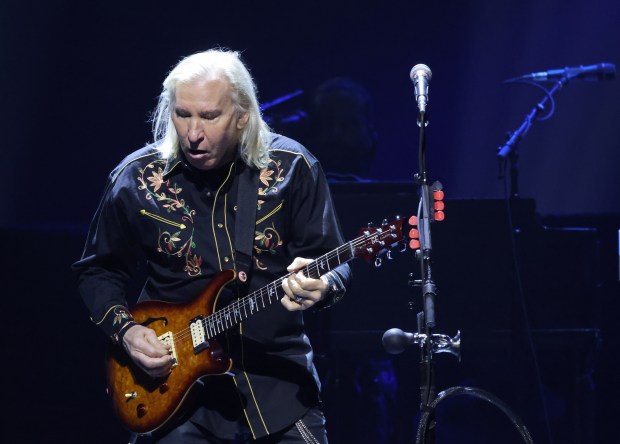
[{"x": 194, "y": 131}]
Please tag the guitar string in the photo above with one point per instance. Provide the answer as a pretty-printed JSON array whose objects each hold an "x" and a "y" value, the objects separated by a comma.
[
  {"x": 217, "y": 322},
  {"x": 213, "y": 323},
  {"x": 220, "y": 321}
]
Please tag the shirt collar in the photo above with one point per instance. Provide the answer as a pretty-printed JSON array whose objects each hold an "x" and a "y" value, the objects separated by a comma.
[{"x": 177, "y": 161}]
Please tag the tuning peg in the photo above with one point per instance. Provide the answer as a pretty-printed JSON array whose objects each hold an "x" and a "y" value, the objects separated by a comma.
[
  {"x": 389, "y": 255},
  {"x": 371, "y": 225},
  {"x": 378, "y": 262}
]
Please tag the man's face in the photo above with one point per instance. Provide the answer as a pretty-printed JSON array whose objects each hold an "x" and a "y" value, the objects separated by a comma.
[{"x": 207, "y": 123}]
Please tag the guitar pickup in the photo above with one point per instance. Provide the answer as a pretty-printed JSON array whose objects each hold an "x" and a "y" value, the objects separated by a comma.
[
  {"x": 199, "y": 334},
  {"x": 168, "y": 339}
]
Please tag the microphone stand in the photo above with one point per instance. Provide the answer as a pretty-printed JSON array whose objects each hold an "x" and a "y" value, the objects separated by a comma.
[
  {"x": 395, "y": 340},
  {"x": 426, "y": 319},
  {"x": 508, "y": 152}
]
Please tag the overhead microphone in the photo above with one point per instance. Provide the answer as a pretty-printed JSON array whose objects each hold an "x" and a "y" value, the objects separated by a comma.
[
  {"x": 421, "y": 76},
  {"x": 601, "y": 71}
]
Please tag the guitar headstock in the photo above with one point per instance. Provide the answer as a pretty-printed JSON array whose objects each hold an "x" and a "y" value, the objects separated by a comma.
[{"x": 374, "y": 241}]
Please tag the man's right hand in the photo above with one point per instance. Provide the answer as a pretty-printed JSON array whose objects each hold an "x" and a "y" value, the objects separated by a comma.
[{"x": 148, "y": 352}]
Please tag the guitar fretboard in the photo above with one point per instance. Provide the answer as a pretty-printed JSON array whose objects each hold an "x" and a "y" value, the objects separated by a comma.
[{"x": 262, "y": 298}]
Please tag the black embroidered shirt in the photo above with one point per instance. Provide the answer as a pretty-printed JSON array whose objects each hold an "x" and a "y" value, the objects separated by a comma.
[{"x": 180, "y": 222}]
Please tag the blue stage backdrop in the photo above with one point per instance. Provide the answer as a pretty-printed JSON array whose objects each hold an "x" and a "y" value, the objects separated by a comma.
[{"x": 81, "y": 78}]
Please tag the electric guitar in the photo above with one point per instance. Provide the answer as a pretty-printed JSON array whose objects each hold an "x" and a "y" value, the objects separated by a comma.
[{"x": 143, "y": 403}]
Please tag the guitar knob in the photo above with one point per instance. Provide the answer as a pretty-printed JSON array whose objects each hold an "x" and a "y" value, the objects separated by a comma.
[{"x": 141, "y": 410}]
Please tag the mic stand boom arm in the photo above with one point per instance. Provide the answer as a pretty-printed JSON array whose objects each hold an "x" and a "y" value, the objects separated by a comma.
[{"x": 509, "y": 151}]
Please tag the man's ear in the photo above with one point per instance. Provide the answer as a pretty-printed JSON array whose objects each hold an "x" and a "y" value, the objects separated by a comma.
[{"x": 242, "y": 120}]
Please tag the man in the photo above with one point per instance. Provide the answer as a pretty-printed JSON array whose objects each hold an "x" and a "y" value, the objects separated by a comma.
[{"x": 214, "y": 178}]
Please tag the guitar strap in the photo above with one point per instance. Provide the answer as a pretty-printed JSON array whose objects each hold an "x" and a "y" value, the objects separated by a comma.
[{"x": 245, "y": 223}]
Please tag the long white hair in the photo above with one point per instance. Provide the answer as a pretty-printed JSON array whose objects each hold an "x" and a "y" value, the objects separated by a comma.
[{"x": 207, "y": 65}]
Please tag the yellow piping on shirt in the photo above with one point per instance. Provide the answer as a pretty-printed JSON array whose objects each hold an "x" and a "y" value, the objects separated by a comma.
[
  {"x": 271, "y": 213},
  {"x": 260, "y": 415},
  {"x": 161, "y": 219},
  {"x": 105, "y": 315},
  {"x": 217, "y": 248}
]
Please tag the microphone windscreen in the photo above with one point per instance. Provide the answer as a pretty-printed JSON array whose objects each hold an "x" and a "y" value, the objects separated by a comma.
[{"x": 420, "y": 67}]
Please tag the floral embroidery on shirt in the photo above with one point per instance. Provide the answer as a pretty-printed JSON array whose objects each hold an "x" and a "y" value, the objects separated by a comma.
[
  {"x": 270, "y": 177},
  {"x": 120, "y": 315},
  {"x": 259, "y": 264},
  {"x": 168, "y": 196},
  {"x": 267, "y": 240}
]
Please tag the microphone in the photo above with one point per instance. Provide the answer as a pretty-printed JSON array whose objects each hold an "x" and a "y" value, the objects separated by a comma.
[
  {"x": 395, "y": 340},
  {"x": 602, "y": 71},
  {"x": 420, "y": 76}
]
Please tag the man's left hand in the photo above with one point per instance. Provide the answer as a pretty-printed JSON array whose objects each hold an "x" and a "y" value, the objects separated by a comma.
[{"x": 302, "y": 292}]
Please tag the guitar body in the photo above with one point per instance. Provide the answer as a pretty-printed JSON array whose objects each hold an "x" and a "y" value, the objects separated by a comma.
[{"x": 144, "y": 404}]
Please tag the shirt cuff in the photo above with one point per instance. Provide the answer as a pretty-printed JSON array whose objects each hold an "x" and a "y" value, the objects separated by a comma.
[{"x": 116, "y": 322}]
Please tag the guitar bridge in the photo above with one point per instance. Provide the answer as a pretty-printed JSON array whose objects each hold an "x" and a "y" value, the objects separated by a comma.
[
  {"x": 168, "y": 339},
  {"x": 199, "y": 334}
]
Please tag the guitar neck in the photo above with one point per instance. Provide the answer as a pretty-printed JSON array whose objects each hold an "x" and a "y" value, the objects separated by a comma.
[{"x": 251, "y": 304}]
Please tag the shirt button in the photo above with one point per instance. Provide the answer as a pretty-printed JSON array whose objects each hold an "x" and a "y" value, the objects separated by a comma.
[
  {"x": 208, "y": 193},
  {"x": 220, "y": 225},
  {"x": 226, "y": 259}
]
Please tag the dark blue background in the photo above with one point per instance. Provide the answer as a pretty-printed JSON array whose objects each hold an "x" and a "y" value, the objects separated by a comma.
[{"x": 79, "y": 80}]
